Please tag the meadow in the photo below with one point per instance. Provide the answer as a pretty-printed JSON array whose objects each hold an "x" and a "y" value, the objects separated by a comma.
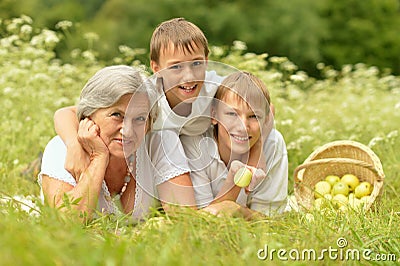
[{"x": 357, "y": 102}]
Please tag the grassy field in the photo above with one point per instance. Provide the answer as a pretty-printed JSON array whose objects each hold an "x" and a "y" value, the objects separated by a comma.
[{"x": 357, "y": 102}]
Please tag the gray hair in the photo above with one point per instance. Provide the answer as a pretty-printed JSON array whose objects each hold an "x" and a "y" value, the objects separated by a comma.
[{"x": 109, "y": 84}]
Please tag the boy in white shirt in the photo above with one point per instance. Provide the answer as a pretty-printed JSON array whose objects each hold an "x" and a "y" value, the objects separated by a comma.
[{"x": 241, "y": 107}]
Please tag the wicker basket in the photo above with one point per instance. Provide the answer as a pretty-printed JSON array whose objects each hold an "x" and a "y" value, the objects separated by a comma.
[{"x": 338, "y": 158}]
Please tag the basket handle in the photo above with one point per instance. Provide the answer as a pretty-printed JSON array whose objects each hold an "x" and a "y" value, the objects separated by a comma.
[{"x": 333, "y": 160}]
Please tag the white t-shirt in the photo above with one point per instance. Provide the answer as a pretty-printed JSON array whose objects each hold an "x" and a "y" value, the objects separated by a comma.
[
  {"x": 153, "y": 168},
  {"x": 199, "y": 120},
  {"x": 208, "y": 173}
]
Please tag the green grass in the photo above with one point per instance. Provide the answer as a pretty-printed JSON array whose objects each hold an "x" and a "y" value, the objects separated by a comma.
[{"x": 356, "y": 102}]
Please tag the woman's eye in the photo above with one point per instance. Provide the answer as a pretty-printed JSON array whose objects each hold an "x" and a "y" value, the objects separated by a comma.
[
  {"x": 117, "y": 114},
  {"x": 141, "y": 118}
]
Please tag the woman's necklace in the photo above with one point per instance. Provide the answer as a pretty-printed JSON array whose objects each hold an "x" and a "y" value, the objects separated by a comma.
[{"x": 127, "y": 178}]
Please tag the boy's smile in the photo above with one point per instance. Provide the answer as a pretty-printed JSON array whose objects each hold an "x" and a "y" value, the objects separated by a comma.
[{"x": 182, "y": 72}]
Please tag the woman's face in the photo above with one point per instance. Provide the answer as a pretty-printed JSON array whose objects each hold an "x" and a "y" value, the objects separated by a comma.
[
  {"x": 119, "y": 127},
  {"x": 238, "y": 124}
]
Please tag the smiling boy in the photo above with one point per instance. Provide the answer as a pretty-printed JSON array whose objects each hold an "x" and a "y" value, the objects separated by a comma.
[{"x": 179, "y": 57}]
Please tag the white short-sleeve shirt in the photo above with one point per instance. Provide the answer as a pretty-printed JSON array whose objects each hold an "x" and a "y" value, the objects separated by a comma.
[
  {"x": 208, "y": 173},
  {"x": 152, "y": 169}
]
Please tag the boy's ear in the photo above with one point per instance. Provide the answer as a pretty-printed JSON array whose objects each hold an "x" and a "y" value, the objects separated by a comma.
[
  {"x": 213, "y": 116},
  {"x": 154, "y": 66}
]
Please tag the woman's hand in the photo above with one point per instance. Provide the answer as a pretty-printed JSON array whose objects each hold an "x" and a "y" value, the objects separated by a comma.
[{"x": 89, "y": 138}]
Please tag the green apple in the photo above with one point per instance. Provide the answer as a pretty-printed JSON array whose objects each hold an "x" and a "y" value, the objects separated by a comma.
[
  {"x": 340, "y": 188},
  {"x": 243, "y": 177},
  {"x": 340, "y": 200},
  {"x": 332, "y": 179},
  {"x": 328, "y": 196},
  {"x": 319, "y": 203},
  {"x": 363, "y": 189},
  {"x": 365, "y": 199},
  {"x": 322, "y": 188},
  {"x": 355, "y": 204},
  {"x": 351, "y": 196},
  {"x": 351, "y": 180}
]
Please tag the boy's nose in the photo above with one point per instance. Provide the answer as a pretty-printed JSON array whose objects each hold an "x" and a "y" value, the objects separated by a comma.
[{"x": 188, "y": 74}]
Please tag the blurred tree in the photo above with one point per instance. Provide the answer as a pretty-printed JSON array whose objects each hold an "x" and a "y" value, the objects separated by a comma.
[
  {"x": 335, "y": 32},
  {"x": 362, "y": 31}
]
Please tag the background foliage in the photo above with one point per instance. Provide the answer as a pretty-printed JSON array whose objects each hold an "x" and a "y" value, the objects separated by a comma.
[
  {"x": 354, "y": 101},
  {"x": 335, "y": 32}
]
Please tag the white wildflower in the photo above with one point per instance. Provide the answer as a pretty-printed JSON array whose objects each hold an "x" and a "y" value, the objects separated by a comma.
[
  {"x": 278, "y": 59},
  {"x": 50, "y": 38},
  {"x": 297, "y": 78},
  {"x": 26, "y": 19},
  {"x": 64, "y": 25},
  {"x": 217, "y": 51},
  {"x": 392, "y": 134},
  {"x": 16, "y": 161},
  {"x": 275, "y": 76},
  {"x": 24, "y": 203},
  {"x": 375, "y": 141},
  {"x": 88, "y": 55},
  {"x": 7, "y": 90},
  {"x": 347, "y": 69},
  {"x": 313, "y": 121},
  {"x": 75, "y": 53},
  {"x": 25, "y": 63},
  {"x": 320, "y": 66},
  {"x": 91, "y": 36},
  {"x": 12, "y": 27},
  {"x": 287, "y": 122},
  {"x": 9, "y": 41},
  {"x": 239, "y": 45},
  {"x": 26, "y": 30},
  {"x": 372, "y": 71}
]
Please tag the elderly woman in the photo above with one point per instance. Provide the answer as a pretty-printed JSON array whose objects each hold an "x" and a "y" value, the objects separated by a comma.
[{"x": 128, "y": 169}]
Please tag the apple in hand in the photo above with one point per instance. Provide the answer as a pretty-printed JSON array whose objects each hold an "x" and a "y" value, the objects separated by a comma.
[
  {"x": 243, "y": 177},
  {"x": 351, "y": 180},
  {"x": 363, "y": 189},
  {"x": 340, "y": 188},
  {"x": 332, "y": 179},
  {"x": 322, "y": 188}
]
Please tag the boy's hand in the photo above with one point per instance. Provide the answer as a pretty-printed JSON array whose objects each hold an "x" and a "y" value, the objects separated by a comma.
[
  {"x": 224, "y": 208},
  {"x": 77, "y": 159},
  {"x": 89, "y": 138},
  {"x": 258, "y": 174}
]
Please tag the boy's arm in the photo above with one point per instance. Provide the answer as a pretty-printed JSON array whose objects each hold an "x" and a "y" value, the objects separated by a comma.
[
  {"x": 230, "y": 191},
  {"x": 232, "y": 209},
  {"x": 66, "y": 125}
]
